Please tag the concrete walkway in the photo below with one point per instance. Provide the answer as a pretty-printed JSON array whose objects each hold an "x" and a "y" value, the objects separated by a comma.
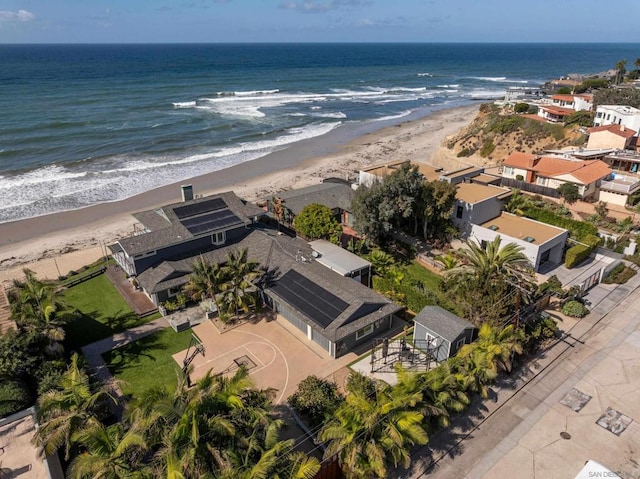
[{"x": 516, "y": 433}]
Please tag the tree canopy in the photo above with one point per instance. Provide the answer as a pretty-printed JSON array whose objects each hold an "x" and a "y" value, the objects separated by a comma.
[
  {"x": 316, "y": 221},
  {"x": 569, "y": 192},
  {"x": 403, "y": 200}
]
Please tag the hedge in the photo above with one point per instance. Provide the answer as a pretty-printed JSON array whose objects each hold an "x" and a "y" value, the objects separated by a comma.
[
  {"x": 579, "y": 230},
  {"x": 14, "y": 396},
  {"x": 578, "y": 253},
  {"x": 415, "y": 299}
]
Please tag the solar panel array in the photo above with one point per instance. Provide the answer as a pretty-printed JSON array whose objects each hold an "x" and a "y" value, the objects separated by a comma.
[
  {"x": 194, "y": 209},
  {"x": 318, "y": 304},
  {"x": 208, "y": 223}
]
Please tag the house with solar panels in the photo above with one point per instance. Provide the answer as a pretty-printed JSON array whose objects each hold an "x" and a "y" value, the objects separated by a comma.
[
  {"x": 186, "y": 228},
  {"x": 330, "y": 308}
]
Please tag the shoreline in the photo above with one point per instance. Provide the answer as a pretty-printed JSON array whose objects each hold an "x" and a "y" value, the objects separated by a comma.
[{"x": 59, "y": 242}]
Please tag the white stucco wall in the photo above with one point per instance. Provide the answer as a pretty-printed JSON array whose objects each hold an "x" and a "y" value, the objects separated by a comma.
[
  {"x": 532, "y": 251},
  {"x": 618, "y": 115},
  {"x": 613, "y": 198}
]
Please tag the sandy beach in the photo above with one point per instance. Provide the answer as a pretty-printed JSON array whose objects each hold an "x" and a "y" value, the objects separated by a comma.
[{"x": 55, "y": 244}]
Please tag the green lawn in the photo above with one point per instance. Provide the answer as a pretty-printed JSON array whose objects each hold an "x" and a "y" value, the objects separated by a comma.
[
  {"x": 103, "y": 312},
  {"x": 147, "y": 362}
]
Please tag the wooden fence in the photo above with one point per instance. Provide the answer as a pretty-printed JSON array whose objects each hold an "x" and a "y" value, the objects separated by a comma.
[
  {"x": 81, "y": 278},
  {"x": 529, "y": 187}
]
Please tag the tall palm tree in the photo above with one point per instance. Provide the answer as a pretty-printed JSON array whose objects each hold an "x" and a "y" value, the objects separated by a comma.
[
  {"x": 241, "y": 275},
  {"x": 620, "y": 70},
  {"x": 111, "y": 453},
  {"x": 487, "y": 274},
  {"x": 445, "y": 387},
  {"x": 369, "y": 433},
  {"x": 517, "y": 203},
  {"x": 68, "y": 410}
]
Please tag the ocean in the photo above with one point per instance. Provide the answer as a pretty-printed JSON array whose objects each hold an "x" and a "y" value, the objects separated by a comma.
[{"x": 84, "y": 124}]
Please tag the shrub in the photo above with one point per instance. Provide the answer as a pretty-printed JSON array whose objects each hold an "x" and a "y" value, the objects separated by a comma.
[
  {"x": 574, "y": 309},
  {"x": 519, "y": 177},
  {"x": 521, "y": 107},
  {"x": 464, "y": 152},
  {"x": 542, "y": 328},
  {"x": 14, "y": 396},
  {"x": 620, "y": 274},
  {"x": 578, "y": 229},
  {"x": 487, "y": 149},
  {"x": 533, "y": 110},
  {"x": 316, "y": 399}
]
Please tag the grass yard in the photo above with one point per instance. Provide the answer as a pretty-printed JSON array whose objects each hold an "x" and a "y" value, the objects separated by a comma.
[
  {"x": 147, "y": 362},
  {"x": 103, "y": 312}
]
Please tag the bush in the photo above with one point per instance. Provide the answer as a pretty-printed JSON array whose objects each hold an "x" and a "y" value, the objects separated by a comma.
[
  {"x": 542, "y": 328},
  {"x": 519, "y": 177},
  {"x": 487, "y": 148},
  {"x": 574, "y": 309},
  {"x": 619, "y": 275},
  {"x": 578, "y": 229},
  {"x": 14, "y": 396},
  {"x": 316, "y": 399},
  {"x": 521, "y": 107}
]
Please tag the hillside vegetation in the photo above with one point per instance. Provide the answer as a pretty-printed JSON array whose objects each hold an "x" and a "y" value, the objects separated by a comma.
[{"x": 497, "y": 132}]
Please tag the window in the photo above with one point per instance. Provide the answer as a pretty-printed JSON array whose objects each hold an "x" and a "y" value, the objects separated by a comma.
[
  {"x": 173, "y": 292},
  {"x": 460, "y": 343},
  {"x": 459, "y": 211},
  {"x": 364, "y": 332},
  {"x": 508, "y": 170},
  {"x": 218, "y": 238},
  {"x": 432, "y": 341}
]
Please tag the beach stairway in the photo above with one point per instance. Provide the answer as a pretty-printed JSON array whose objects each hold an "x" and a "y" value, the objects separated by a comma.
[{"x": 5, "y": 312}]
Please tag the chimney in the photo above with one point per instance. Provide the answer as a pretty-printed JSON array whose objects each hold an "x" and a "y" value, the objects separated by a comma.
[
  {"x": 621, "y": 127},
  {"x": 187, "y": 192}
]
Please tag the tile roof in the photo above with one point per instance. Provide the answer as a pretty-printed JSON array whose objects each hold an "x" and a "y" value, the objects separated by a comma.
[
  {"x": 557, "y": 110},
  {"x": 615, "y": 129},
  {"x": 442, "y": 322},
  {"x": 585, "y": 171},
  {"x": 563, "y": 98}
]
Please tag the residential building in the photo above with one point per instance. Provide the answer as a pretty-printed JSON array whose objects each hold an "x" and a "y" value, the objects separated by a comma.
[
  {"x": 477, "y": 203},
  {"x": 623, "y": 115},
  {"x": 551, "y": 172},
  {"x": 554, "y": 114},
  {"x": 540, "y": 243},
  {"x": 341, "y": 261},
  {"x": 19, "y": 456},
  {"x": 614, "y": 136},
  {"x": 573, "y": 102},
  {"x": 189, "y": 227},
  {"x": 335, "y": 194},
  {"x": 378, "y": 173},
  {"x": 444, "y": 332},
  {"x": 335, "y": 311}
]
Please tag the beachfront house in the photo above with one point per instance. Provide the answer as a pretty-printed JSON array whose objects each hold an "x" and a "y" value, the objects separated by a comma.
[
  {"x": 548, "y": 173},
  {"x": 573, "y": 102},
  {"x": 330, "y": 308},
  {"x": 541, "y": 243},
  {"x": 368, "y": 176},
  {"x": 316, "y": 290},
  {"x": 335, "y": 194},
  {"x": 444, "y": 332},
  {"x": 554, "y": 114},
  {"x": 190, "y": 227},
  {"x": 623, "y": 115}
]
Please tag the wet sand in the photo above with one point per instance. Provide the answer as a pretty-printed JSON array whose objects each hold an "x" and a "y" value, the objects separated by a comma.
[{"x": 56, "y": 243}]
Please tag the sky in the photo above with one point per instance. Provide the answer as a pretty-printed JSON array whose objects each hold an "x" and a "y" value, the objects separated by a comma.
[{"x": 215, "y": 21}]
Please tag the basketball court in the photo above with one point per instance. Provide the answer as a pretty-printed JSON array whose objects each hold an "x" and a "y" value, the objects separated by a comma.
[{"x": 275, "y": 354}]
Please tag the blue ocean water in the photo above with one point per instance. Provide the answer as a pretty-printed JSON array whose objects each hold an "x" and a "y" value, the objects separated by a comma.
[{"x": 82, "y": 124}]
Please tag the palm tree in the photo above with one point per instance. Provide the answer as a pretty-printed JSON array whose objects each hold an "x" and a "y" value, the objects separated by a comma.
[
  {"x": 448, "y": 261},
  {"x": 381, "y": 261},
  {"x": 517, "y": 203},
  {"x": 38, "y": 306},
  {"x": 68, "y": 410},
  {"x": 445, "y": 387},
  {"x": 369, "y": 433},
  {"x": 492, "y": 352},
  {"x": 111, "y": 453},
  {"x": 488, "y": 272},
  {"x": 409, "y": 383},
  {"x": 206, "y": 282},
  {"x": 241, "y": 275},
  {"x": 620, "y": 70}
]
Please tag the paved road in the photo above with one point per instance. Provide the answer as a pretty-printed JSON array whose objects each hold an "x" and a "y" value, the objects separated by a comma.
[{"x": 516, "y": 434}]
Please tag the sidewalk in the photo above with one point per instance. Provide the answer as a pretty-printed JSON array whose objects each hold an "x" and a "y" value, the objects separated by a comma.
[{"x": 489, "y": 430}]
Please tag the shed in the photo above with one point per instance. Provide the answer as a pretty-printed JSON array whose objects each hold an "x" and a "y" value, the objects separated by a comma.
[{"x": 445, "y": 331}]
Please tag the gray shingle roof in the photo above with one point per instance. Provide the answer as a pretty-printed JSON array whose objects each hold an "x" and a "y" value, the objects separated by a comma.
[
  {"x": 280, "y": 253},
  {"x": 332, "y": 195},
  {"x": 164, "y": 228},
  {"x": 442, "y": 322}
]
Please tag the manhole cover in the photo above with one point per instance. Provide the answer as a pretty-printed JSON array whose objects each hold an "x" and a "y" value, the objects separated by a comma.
[{"x": 565, "y": 435}]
